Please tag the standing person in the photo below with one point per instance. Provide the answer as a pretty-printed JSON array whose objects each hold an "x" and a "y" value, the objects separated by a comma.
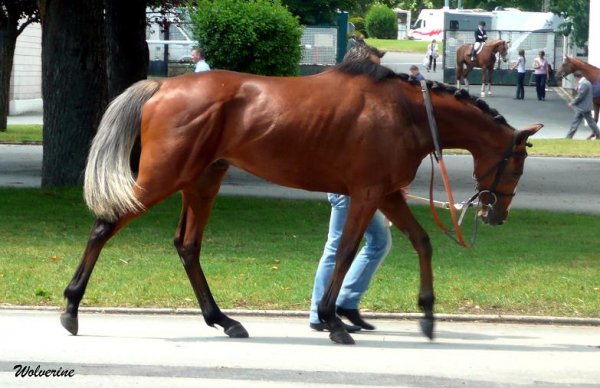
[
  {"x": 583, "y": 105},
  {"x": 540, "y": 67},
  {"x": 480, "y": 38},
  {"x": 360, "y": 39},
  {"x": 432, "y": 54},
  {"x": 199, "y": 59},
  {"x": 415, "y": 74},
  {"x": 351, "y": 42},
  {"x": 358, "y": 277},
  {"x": 520, "y": 68}
]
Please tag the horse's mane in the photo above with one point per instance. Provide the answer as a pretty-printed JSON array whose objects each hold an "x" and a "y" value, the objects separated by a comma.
[{"x": 357, "y": 61}]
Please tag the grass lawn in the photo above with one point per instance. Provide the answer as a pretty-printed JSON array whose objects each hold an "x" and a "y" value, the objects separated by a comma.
[
  {"x": 25, "y": 133},
  {"x": 405, "y": 45},
  {"x": 262, "y": 254}
]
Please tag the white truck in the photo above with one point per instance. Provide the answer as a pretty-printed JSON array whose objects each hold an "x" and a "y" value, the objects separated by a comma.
[{"x": 432, "y": 23}]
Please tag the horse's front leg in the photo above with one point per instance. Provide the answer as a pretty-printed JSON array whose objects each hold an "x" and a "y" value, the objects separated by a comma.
[
  {"x": 489, "y": 81},
  {"x": 397, "y": 211},
  {"x": 198, "y": 201},
  {"x": 360, "y": 214},
  {"x": 483, "y": 81}
]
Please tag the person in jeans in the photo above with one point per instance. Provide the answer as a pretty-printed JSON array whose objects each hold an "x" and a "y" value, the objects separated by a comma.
[
  {"x": 520, "y": 68},
  {"x": 540, "y": 67},
  {"x": 378, "y": 243},
  {"x": 582, "y": 104}
]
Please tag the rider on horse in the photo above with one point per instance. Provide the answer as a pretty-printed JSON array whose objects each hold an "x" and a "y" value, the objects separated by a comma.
[{"x": 480, "y": 38}]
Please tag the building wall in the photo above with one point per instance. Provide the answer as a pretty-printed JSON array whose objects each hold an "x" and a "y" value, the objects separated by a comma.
[{"x": 26, "y": 78}]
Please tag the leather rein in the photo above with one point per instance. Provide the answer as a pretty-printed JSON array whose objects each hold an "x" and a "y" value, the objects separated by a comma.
[{"x": 498, "y": 171}]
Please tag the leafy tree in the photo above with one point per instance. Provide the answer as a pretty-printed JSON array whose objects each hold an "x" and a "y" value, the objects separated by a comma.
[
  {"x": 73, "y": 85},
  {"x": 313, "y": 12},
  {"x": 381, "y": 22},
  {"x": 255, "y": 36},
  {"x": 577, "y": 13},
  {"x": 126, "y": 48},
  {"x": 15, "y": 15}
]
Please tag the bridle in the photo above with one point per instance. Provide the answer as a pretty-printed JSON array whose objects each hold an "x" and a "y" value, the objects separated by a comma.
[{"x": 497, "y": 170}]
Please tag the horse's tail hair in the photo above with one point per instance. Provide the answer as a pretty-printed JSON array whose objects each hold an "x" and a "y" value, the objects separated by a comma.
[{"x": 108, "y": 183}]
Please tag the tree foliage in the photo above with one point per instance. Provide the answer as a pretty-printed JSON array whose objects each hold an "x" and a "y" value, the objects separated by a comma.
[
  {"x": 254, "y": 36},
  {"x": 577, "y": 13},
  {"x": 313, "y": 12},
  {"x": 381, "y": 22}
]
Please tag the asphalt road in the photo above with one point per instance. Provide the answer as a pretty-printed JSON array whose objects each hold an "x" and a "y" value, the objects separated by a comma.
[{"x": 173, "y": 351}]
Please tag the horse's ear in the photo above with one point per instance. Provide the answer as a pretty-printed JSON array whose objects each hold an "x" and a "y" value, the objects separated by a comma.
[{"x": 524, "y": 134}]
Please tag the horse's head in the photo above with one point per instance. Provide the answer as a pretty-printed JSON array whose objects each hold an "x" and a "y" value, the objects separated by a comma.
[
  {"x": 502, "y": 49},
  {"x": 566, "y": 68},
  {"x": 497, "y": 179},
  {"x": 363, "y": 51}
]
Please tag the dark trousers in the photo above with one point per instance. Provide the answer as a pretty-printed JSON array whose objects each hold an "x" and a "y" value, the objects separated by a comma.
[
  {"x": 579, "y": 116},
  {"x": 432, "y": 60},
  {"x": 520, "y": 86},
  {"x": 540, "y": 86}
]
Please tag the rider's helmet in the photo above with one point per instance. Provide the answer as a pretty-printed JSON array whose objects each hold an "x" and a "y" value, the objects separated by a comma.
[{"x": 482, "y": 23}]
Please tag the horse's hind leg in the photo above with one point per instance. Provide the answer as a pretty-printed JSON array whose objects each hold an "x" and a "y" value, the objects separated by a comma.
[
  {"x": 198, "y": 201},
  {"x": 102, "y": 231},
  {"x": 397, "y": 211},
  {"x": 359, "y": 216}
]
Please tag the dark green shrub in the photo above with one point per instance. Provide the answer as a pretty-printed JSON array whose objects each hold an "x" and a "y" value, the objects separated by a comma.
[
  {"x": 381, "y": 22},
  {"x": 252, "y": 36},
  {"x": 359, "y": 25}
]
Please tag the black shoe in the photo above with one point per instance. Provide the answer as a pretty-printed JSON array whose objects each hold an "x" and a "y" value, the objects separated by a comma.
[
  {"x": 353, "y": 316},
  {"x": 323, "y": 327}
]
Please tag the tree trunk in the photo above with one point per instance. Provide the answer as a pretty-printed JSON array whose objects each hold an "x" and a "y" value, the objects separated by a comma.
[
  {"x": 73, "y": 86},
  {"x": 127, "y": 51},
  {"x": 8, "y": 41}
]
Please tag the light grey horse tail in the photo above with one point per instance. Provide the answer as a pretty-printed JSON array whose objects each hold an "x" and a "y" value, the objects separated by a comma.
[{"x": 109, "y": 182}]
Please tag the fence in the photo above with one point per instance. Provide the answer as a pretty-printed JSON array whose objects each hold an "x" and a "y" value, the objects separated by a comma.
[
  {"x": 319, "y": 46},
  {"x": 531, "y": 42}
]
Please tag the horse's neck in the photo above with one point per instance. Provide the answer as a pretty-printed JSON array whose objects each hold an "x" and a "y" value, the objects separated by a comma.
[
  {"x": 475, "y": 133},
  {"x": 592, "y": 73}
]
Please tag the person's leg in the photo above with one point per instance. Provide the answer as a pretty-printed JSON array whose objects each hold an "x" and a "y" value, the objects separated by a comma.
[
  {"x": 337, "y": 219},
  {"x": 430, "y": 61},
  {"x": 537, "y": 86},
  {"x": 575, "y": 123},
  {"x": 363, "y": 268},
  {"x": 592, "y": 124},
  {"x": 543, "y": 86},
  {"x": 434, "y": 63},
  {"x": 521, "y": 86}
]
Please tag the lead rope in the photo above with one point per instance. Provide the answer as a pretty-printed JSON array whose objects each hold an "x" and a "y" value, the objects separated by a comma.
[{"x": 437, "y": 153}]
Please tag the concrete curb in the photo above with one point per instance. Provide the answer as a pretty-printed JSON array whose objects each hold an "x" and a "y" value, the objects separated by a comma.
[{"x": 485, "y": 318}]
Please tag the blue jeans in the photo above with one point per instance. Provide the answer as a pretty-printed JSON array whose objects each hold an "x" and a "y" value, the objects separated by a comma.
[
  {"x": 357, "y": 280},
  {"x": 540, "y": 86}
]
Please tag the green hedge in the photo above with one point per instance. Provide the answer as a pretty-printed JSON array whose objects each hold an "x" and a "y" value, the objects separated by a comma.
[
  {"x": 252, "y": 36},
  {"x": 381, "y": 22}
]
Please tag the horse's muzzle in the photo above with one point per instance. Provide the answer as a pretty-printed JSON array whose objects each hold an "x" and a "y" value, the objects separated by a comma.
[{"x": 491, "y": 217}]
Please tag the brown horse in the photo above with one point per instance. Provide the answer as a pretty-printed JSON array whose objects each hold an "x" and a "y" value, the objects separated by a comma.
[
  {"x": 590, "y": 72},
  {"x": 359, "y": 129},
  {"x": 485, "y": 60}
]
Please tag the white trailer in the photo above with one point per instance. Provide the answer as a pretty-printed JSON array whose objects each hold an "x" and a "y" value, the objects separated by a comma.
[{"x": 432, "y": 23}]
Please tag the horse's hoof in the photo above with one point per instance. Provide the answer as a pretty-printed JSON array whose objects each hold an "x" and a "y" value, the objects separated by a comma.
[
  {"x": 482, "y": 94},
  {"x": 236, "y": 331},
  {"x": 70, "y": 323},
  {"x": 427, "y": 325},
  {"x": 341, "y": 336}
]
